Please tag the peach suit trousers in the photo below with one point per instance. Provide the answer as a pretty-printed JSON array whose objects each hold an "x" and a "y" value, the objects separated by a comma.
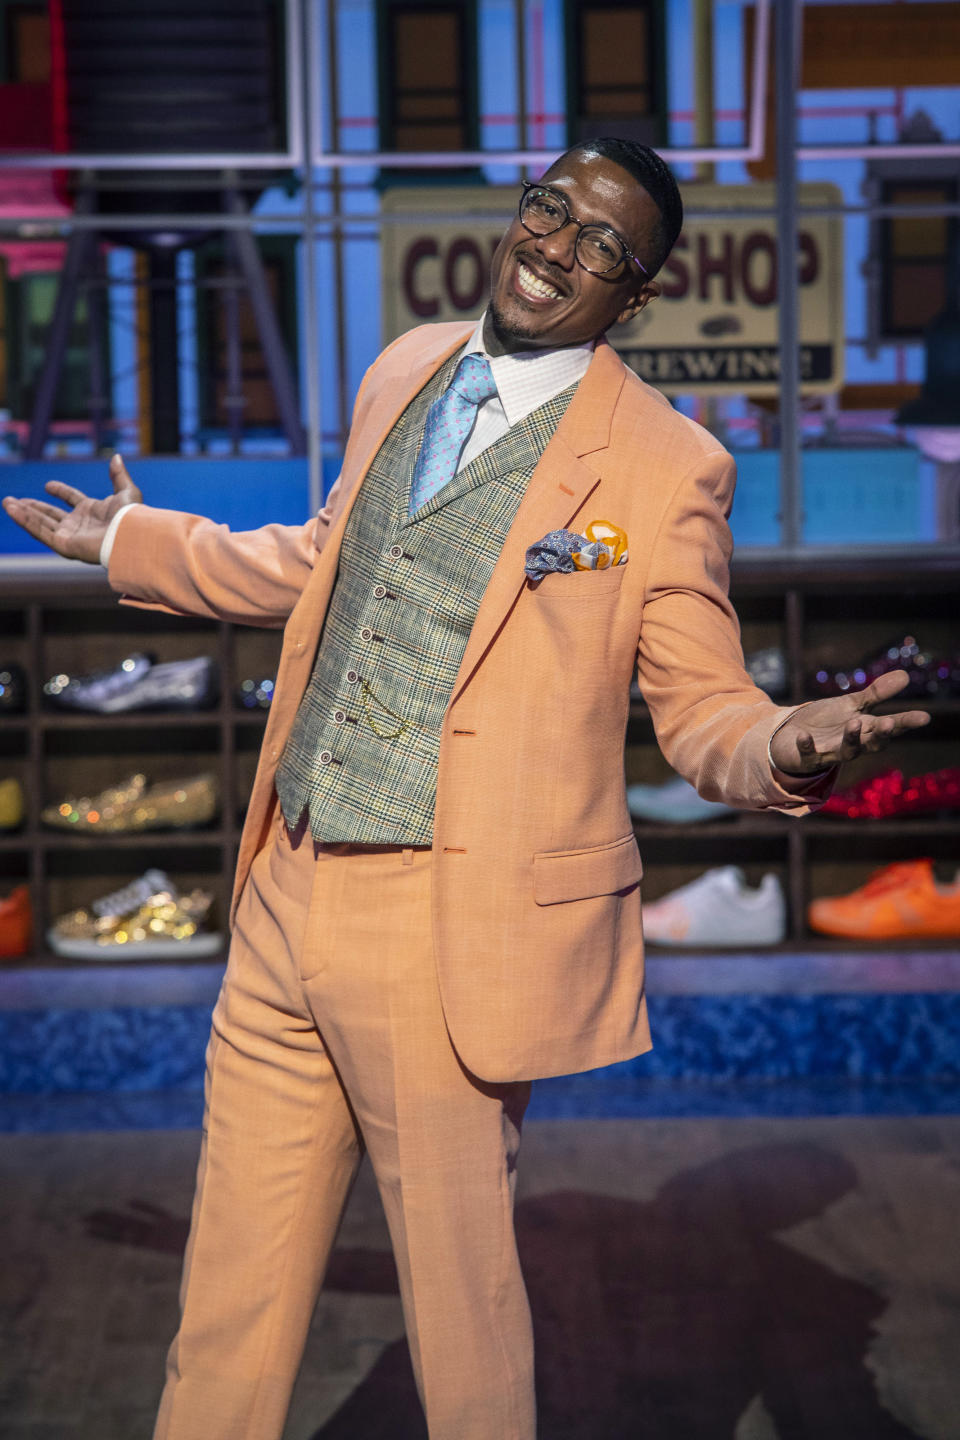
[{"x": 328, "y": 1039}]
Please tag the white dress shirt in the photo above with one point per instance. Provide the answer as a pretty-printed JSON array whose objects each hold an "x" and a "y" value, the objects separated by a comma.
[{"x": 524, "y": 381}]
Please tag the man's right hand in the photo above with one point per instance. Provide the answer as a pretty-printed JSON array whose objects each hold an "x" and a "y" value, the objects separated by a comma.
[{"x": 76, "y": 533}]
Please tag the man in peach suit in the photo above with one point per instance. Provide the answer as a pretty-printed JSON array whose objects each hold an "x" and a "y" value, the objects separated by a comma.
[{"x": 437, "y": 896}]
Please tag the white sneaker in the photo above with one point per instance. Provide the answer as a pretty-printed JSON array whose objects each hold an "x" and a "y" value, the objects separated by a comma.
[
  {"x": 718, "y": 910},
  {"x": 676, "y": 802}
]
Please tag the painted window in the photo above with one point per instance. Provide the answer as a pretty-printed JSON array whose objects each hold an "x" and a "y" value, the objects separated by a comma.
[
  {"x": 613, "y": 67},
  {"x": 428, "y": 75},
  {"x": 919, "y": 254}
]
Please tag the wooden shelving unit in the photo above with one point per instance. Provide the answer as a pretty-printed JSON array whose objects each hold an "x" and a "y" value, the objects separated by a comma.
[
  {"x": 72, "y": 622},
  {"x": 51, "y": 620},
  {"x": 831, "y": 613}
]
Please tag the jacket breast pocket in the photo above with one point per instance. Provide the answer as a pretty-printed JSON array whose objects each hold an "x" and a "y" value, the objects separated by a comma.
[
  {"x": 579, "y": 585},
  {"x": 561, "y": 875}
]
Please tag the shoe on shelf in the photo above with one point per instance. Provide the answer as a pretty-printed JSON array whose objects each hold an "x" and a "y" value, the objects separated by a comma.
[
  {"x": 139, "y": 684},
  {"x": 929, "y": 675},
  {"x": 16, "y": 926},
  {"x": 768, "y": 669},
  {"x": 11, "y": 804},
  {"x": 891, "y": 793},
  {"x": 903, "y": 901},
  {"x": 133, "y": 806},
  {"x": 101, "y": 689},
  {"x": 675, "y": 802},
  {"x": 13, "y": 688},
  {"x": 254, "y": 694},
  {"x": 718, "y": 910},
  {"x": 149, "y": 919}
]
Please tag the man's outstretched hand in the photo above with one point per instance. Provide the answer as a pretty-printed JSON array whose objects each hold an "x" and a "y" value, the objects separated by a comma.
[
  {"x": 76, "y": 533},
  {"x": 826, "y": 732}
]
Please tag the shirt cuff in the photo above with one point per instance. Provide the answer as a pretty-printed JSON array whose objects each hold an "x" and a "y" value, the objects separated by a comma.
[{"x": 106, "y": 544}]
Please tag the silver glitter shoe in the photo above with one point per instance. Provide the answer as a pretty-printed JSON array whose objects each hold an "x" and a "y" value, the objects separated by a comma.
[{"x": 138, "y": 684}]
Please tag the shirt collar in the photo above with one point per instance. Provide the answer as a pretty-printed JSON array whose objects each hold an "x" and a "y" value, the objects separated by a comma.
[{"x": 529, "y": 378}]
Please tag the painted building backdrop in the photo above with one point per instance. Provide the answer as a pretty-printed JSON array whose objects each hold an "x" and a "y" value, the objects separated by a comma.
[{"x": 163, "y": 354}]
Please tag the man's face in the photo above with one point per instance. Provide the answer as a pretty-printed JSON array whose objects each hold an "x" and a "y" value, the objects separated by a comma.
[{"x": 540, "y": 296}]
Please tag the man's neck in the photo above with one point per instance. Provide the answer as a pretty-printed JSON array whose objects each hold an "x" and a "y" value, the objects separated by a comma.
[{"x": 497, "y": 345}]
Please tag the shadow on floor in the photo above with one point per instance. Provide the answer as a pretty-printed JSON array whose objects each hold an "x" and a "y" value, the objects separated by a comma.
[{"x": 664, "y": 1318}]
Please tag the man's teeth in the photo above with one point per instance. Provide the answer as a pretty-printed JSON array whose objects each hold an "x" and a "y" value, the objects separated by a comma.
[{"x": 533, "y": 285}]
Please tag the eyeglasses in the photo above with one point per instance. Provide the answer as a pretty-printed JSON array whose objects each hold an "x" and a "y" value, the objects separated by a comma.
[{"x": 599, "y": 250}]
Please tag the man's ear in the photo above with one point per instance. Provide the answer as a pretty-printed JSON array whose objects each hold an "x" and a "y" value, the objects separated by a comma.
[{"x": 647, "y": 292}]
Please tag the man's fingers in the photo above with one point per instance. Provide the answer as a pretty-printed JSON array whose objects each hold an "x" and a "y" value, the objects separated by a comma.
[
  {"x": 29, "y": 515},
  {"x": 878, "y": 734},
  {"x": 69, "y": 494},
  {"x": 883, "y": 688},
  {"x": 850, "y": 744},
  {"x": 48, "y": 511},
  {"x": 884, "y": 728},
  {"x": 119, "y": 475}
]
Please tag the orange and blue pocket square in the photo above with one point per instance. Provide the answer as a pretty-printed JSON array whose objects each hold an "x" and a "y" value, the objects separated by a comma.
[{"x": 601, "y": 547}]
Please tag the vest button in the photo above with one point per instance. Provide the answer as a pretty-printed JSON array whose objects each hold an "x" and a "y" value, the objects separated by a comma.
[
  {"x": 379, "y": 591},
  {"x": 325, "y": 757},
  {"x": 352, "y": 677},
  {"x": 339, "y": 717},
  {"x": 366, "y": 633},
  {"x": 395, "y": 552}
]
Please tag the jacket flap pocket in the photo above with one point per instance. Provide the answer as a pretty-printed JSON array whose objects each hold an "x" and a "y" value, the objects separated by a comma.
[{"x": 578, "y": 874}]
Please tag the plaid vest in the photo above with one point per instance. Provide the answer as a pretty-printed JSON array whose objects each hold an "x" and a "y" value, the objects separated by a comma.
[{"x": 363, "y": 751}]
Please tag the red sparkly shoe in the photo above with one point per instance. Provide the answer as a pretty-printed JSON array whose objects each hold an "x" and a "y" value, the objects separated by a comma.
[{"x": 891, "y": 793}]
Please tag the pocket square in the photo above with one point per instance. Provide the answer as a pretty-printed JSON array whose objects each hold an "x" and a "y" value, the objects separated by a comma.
[{"x": 602, "y": 546}]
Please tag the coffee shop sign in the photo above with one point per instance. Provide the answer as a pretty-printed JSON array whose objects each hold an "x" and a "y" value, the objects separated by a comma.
[{"x": 713, "y": 329}]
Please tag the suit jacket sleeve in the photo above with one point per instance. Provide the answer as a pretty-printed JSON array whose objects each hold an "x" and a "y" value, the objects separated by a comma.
[
  {"x": 187, "y": 565},
  {"x": 712, "y": 723}
]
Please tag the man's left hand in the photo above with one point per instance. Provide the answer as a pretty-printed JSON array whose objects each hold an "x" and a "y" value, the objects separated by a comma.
[{"x": 827, "y": 732}]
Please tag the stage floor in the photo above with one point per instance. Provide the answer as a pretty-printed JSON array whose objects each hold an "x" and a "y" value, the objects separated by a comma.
[{"x": 691, "y": 1279}]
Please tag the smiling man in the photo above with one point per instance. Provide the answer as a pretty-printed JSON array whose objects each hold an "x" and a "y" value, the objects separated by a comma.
[
  {"x": 581, "y": 212},
  {"x": 437, "y": 896}
]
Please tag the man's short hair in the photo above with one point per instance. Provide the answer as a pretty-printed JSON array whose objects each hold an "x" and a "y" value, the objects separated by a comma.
[{"x": 646, "y": 166}]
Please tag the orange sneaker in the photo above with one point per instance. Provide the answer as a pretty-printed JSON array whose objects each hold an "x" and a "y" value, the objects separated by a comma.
[
  {"x": 903, "y": 901},
  {"x": 15, "y": 924}
]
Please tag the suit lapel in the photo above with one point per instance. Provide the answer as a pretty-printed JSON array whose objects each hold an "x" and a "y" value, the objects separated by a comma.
[
  {"x": 559, "y": 486},
  {"x": 396, "y": 393}
]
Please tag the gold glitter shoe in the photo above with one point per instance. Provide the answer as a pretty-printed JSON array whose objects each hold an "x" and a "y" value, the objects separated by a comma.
[
  {"x": 145, "y": 920},
  {"x": 11, "y": 804},
  {"x": 133, "y": 806}
]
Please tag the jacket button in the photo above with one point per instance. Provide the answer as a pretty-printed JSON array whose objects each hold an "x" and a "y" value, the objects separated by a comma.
[
  {"x": 325, "y": 757},
  {"x": 379, "y": 591},
  {"x": 352, "y": 677},
  {"x": 395, "y": 552},
  {"x": 366, "y": 633}
]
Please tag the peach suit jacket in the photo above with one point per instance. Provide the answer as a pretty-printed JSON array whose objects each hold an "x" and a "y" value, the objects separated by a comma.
[{"x": 535, "y": 889}]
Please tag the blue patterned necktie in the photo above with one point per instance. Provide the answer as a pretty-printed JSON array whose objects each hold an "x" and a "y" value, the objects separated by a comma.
[{"x": 449, "y": 422}]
